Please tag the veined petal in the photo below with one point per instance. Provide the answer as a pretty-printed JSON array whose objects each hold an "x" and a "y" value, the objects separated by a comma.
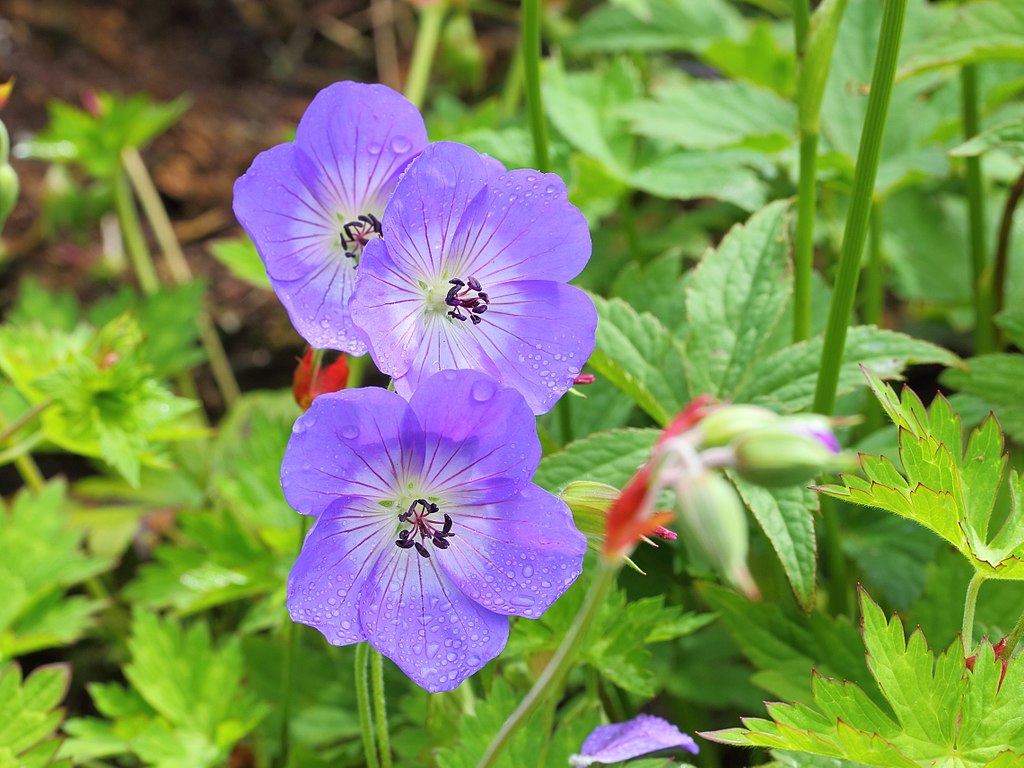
[
  {"x": 357, "y": 138},
  {"x": 359, "y": 442},
  {"x": 521, "y": 227},
  {"x": 412, "y": 613},
  {"x": 515, "y": 556},
  {"x": 426, "y": 207},
  {"x": 480, "y": 438},
  {"x": 621, "y": 741},
  {"x": 336, "y": 558},
  {"x": 298, "y": 239}
]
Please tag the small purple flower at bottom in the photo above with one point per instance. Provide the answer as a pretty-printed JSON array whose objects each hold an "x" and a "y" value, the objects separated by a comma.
[
  {"x": 428, "y": 532},
  {"x": 622, "y": 741},
  {"x": 312, "y": 205}
]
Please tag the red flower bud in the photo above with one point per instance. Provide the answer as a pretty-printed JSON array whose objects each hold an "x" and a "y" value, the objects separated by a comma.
[{"x": 311, "y": 381}]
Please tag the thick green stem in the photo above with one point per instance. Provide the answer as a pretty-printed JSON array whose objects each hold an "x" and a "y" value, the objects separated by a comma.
[
  {"x": 380, "y": 710},
  {"x": 530, "y": 36},
  {"x": 970, "y": 602},
  {"x": 856, "y": 230},
  {"x": 287, "y": 668},
  {"x": 801, "y": 23},
  {"x": 551, "y": 679},
  {"x": 134, "y": 240},
  {"x": 180, "y": 271},
  {"x": 363, "y": 702},
  {"x": 427, "y": 35},
  {"x": 984, "y": 305},
  {"x": 803, "y": 255}
]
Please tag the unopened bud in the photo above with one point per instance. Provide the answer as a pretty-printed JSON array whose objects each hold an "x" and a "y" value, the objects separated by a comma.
[
  {"x": 789, "y": 455},
  {"x": 312, "y": 378},
  {"x": 725, "y": 424},
  {"x": 589, "y": 502},
  {"x": 8, "y": 192},
  {"x": 714, "y": 527}
]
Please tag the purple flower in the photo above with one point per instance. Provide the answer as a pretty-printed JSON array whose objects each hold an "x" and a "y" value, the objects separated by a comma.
[
  {"x": 312, "y": 205},
  {"x": 428, "y": 531},
  {"x": 471, "y": 273},
  {"x": 622, "y": 741}
]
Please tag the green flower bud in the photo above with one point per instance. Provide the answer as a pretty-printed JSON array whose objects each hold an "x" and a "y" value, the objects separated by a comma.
[
  {"x": 589, "y": 502},
  {"x": 8, "y": 192},
  {"x": 793, "y": 454},
  {"x": 725, "y": 424},
  {"x": 713, "y": 524}
]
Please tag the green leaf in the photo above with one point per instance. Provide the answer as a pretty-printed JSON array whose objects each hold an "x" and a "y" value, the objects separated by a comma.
[
  {"x": 945, "y": 486},
  {"x": 786, "y": 515},
  {"x": 761, "y": 59},
  {"x": 814, "y": 69},
  {"x": 1006, "y": 137},
  {"x": 1012, "y": 323},
  {"x": 28, "y": 714},
  {"x": 638, "y": 355},
  {"x": 734, "y": 301},
  {"x": 709, "y": 114},
  {"x": 42, "y": 559},
  {"x": 976, "y": 31},
  {"x": 786, "y": 379},
  {"x": 239, "y": 255},
  {"x": 659, "y": 287},
  {"x": 995, "y": 379},
  {"x": 727, "y": 175},
  {"x": 941, "y": 715},
  {"x": 667, "y": 25},
  {"x": 607, "y": 457}
]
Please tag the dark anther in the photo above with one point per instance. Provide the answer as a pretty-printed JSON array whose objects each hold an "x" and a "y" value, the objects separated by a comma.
[
  {"x": 467, "y": 299},
  {"x": 456, "y": 282},
  {"x": 473, "y": 283},
  {"x": 404, "y": 534},
  {"x": 421, "y": 549},
  {"x": 483, "y": 297},
  {"x": 440, "y": 542},
  {"x": 404, "y": 543},
  {"x": 446, "y": 530},
  {"x": 357, "y": 233},
  {"x": 423, "y": 528},
  {"x": 479, "y": 309},
  {"x": 476, "y": 319}
]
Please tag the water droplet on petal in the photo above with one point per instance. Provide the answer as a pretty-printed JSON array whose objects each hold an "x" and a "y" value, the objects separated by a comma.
[
  {"x": 349, "y": 431},
  {"x": 374, "y": 148},
  {"x": 482, "y": 390},
  {"x": 522, "y": 601},
  {"x": 527, "y": 571},
  {"x": 400, "y": 145}
]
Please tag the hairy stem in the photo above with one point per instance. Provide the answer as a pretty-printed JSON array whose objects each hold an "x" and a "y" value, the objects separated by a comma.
[
  {"x": 530, "y": 37},
  {"x": 380, "y": 707},
  {"x": 970, "y": 602},
  {"x": 554, "y": 673},
  {"x": 363, "y": 701}
]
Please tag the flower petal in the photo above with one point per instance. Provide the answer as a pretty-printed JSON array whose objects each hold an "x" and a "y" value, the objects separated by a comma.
[
  {"x": 336, "y": 558},
  {"x": 413, "y": 614},
  {"x": 298, "y": 239},
  {"x": 521, "y": 227},
  {"x": 360, "y": 442},
  {"x": 539, "y": 334},
  {"x": 357, "y": 139},
  {"x": 515, "y": 556},
  {"x": 621, "y": 741},
  {"x": 481, "y": 439}
]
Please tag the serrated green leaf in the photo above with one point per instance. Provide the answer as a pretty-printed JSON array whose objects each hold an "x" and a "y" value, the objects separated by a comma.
[
  {"x": 995, "y": 379},
  {"x": 1012, "y": 323},
  {"x": 637, "y": 354},
  {"x": 941, "y": 714},
  {"x": 28, "y": 711},
  {"x": 786, "y": 379},
  {"x": 730, "y": 175},
  {"x": 670, "y": 25},
  {"x": 786, "y": 515},
  {"x": 762, "y": 58},
  {"x": 240, "y": 256},
  {"x": 1006, "y": 137},
  {"x": 976, "y": 31},
  {"x": 607, "y": 457},
  {"x": 734, "y": 301}
]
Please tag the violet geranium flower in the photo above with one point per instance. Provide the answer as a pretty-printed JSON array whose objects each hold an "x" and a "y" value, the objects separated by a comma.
[
  {"x": 622, "y": 741},
  {"x": 471, "y": 273},
  {"x": 312, "y": 205},
  {"x": 428, "y": 531}
]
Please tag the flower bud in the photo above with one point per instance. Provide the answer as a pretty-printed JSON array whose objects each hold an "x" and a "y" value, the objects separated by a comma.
[
  {"x": 713, "y": 523},
  {"x": 589, "y": 502},
  {"x": 725, "y": 424},
  {"x": 792, "y": 453},
  {"x": 8, "y": 192},
  {"x": 311, "y": 380}
]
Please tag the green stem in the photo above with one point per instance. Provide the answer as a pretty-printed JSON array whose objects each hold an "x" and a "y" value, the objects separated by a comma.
[
  {"x": 23, "y": 461},
  {"x": 180, "y": 271},
  {"x": 356, "y": 371},
  {"x": 1003, "y": 245},
  {"x": 7, "y": 432},
  {"x": 967, "y": 630},
  {"x": 21, "y": 448},
  {"x": 134, "y": 240},
  {"x": 363, "y": 702},
  {"x": 287, "y": 669},
  {"x": 803, "y": 255},
  {"x": 380, "y": 707},
  {"x": 551, "y": 678},
  {"x": 801, "y": 24},
  {"x": 856, "y": 229},
  {"x": 512, "y": 90},
  {"x": 530, "y": 36},
  {"x": 427, "y": 35},
  {"x": 873, "y": 300},
  {"x": 835, "y": 560},
  {"x": 984, "y": 306}
]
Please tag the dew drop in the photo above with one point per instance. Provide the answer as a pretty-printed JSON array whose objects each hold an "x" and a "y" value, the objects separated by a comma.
[
  {"x": 527, "y": 571},
  {"x": 349, "y": 431},
  {"x": 482, "y": 390},
  {"x": 522, "y": 601},
  {"x": 374, "y": 149},
  {"x": 400, "y": 145}
]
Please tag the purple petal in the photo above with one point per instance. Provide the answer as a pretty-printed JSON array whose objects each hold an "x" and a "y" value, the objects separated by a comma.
[
  {"x": 337, "y": 556},
  {"x": 427, "y": 206},
  {"x": 521, "y": 227},
  {"x": 622, "y": 741},
  {"x": 413, "y": 614},
  {"x": 481, "y": 438},
  {"x": 539, "y": 334},
  {"x": 357, "y": 138},
  {"x": 295, "y": 198},
  {"x": 359, "y": 442},
  {"x": 515, "y": 556}
]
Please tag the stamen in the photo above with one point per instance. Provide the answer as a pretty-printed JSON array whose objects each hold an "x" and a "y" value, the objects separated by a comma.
[
  {"x": 424, "y": 528},
  {"x": 357, "y": 233},
  {"x": 464, "y": 304}
]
